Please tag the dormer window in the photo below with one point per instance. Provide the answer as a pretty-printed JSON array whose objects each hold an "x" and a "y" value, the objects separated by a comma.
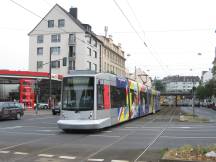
[
  {"x": 50, "y": 23},
  {"x": 61, "y": 23}
]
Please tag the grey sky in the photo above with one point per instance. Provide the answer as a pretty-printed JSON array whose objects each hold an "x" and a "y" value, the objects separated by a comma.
[{"x": 175, "y": 31}]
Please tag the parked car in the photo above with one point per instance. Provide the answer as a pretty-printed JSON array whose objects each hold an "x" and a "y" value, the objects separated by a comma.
[
  {"x": 56, "y": 109},
  {"x": 11, "y": 110},
  {"x": 42, "y": 106}
]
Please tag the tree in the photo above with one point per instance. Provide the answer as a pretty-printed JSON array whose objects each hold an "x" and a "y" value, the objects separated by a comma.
[
  {"x": 211, "y": 88},
  {"x": 201, "y": 92},
  {"x": 159, "y": 86}
]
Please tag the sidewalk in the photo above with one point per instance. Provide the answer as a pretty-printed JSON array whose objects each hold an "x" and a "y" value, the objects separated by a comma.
[{"x": 202, "y": 112}]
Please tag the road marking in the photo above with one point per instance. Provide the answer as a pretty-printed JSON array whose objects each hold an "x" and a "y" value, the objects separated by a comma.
[
  {"x": 14, "y": 127},
  {"x": 132, "y": 127},
  {"x": 107, "y": 146},
  {"x": 95, "y": 159},
  {"x": 107, "y": 131},
  {"x": 184, "y": 127},
  {"x": 174, "y": 137},
  {"x": 105, "y": 136},
  {"x": 20, "y": 144},
  {"x": 20, "y": 133},
  {"x": 4, "y": 152},
  {"x": 42, "y": 118},
  {"x": 46, "y": 130},
  {"x": 21, "y": 153},
  {"x": 46, "y": 155},
  {"x": 119, "y": 161},
  {"x": 67, "y": 157}
]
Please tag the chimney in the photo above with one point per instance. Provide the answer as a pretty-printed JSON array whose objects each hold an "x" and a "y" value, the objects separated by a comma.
[{"x": 73, "y": 12}]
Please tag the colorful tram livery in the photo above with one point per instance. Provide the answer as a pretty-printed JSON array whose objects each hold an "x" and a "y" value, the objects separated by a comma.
[{"x": 95, "y": 101}]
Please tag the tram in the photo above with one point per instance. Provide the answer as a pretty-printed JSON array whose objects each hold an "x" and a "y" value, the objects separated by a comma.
[{"x": 98, "y": 100}]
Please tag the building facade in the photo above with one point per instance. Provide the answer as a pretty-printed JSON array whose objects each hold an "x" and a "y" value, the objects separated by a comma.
[
  {"x": 112, "y": 57},
  {"x": 180, "y": 83},
  {"x": 206, "y": 76},
  {"x": 63, "y": 39}
]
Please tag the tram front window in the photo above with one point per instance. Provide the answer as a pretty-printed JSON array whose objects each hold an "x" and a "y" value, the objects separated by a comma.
[{"x": 78, "y": 93}]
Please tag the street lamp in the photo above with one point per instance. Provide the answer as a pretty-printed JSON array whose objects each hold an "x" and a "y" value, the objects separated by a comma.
[{"x": 193, "y": 96}]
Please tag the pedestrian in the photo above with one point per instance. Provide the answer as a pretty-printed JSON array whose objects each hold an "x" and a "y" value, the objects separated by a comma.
[{"x": 36, "y": 109}]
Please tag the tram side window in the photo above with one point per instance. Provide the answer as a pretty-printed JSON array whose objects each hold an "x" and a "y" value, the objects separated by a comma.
[
  {"x": 118, "y": 97},
  {"x": 100, "y": 97},
  {"x": 143, "y": 98}
]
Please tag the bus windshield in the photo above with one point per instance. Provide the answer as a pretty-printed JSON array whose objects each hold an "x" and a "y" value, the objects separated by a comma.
[{"x": 78, "y": 93}]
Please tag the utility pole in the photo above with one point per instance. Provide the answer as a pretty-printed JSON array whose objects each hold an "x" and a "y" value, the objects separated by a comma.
[
  {"x": 193, "y": 99},
  {"x": 50, "y": 81},
  {"x": 135, "y": 73}
]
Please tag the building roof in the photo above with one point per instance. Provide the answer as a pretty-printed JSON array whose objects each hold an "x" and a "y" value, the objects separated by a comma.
[
  {"x": 178, "y": 78},
  {"x": 77, "y": 21},
  {"x": 103, "y": 38}
]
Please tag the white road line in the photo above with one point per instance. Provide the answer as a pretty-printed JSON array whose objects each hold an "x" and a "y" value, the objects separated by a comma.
[
  {"x": 67, "y": 157},
  {"x": 20, "y": 144},
  {"x": 105, "y": 136},
  {"x": 119, "y": 161},
  {"x": 20, "y": 133},
  {"x": 4, "y": 152},
  {"x": 21, "y": 153},
  {"x": 46, "y": 155},
  {"x": 174, "y": 137},
  {"x": 107, "y": 131},
  {"x": 14, "y": 127},
  {"x": 133, "y": 127},
  {"x": 95, "y": 159},
  {"x": 46, "y": 130},
  {"x": 42, "y": 118}
]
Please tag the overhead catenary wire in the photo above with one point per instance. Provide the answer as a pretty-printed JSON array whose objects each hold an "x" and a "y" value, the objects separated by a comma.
[{"x": 128, "y": 20}]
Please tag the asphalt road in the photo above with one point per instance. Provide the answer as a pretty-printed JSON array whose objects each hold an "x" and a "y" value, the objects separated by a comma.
[{"x": 36, "y": 138}]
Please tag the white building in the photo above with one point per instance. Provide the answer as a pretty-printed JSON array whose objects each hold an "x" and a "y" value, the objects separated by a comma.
[
  {"x": 180, "y": 83},
  {"x": 70, "y": 44},
  {"x": 206, "y": 76}
]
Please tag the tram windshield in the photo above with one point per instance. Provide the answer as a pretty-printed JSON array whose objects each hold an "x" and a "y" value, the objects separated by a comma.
[{"x": 78, "y": 93}]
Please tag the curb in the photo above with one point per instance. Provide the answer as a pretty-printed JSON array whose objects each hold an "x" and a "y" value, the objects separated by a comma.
[{"x": 168, "y": 160}]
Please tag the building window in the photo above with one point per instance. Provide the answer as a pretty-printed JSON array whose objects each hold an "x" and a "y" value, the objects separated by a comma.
[
  {"x": 54, "y": 50},
  {"x": 55, "y": 38},
  {"x": 89, "y": 65},
  {"x": 95, "y": 67},
  {"x": 72, "y": 65},
  {"x": 39, "y": 64},
  {"x": 61, "y": 23},
  {"x": 40, "y": 51},
  {"x": 94, "y": 42},
  {"x": 64, "y": 61},
  {"x": 95, "y": 54},
  {"x": 88, "y": 38},
  {"x": 72, "y": 51},
  {"x": 50, "y": 23},
  {"x": 40, "y": 39},
  {"x": 89, "y": 51},
  {"x": 72, "y": 38},
  {"x": 55, "y": 64}
]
